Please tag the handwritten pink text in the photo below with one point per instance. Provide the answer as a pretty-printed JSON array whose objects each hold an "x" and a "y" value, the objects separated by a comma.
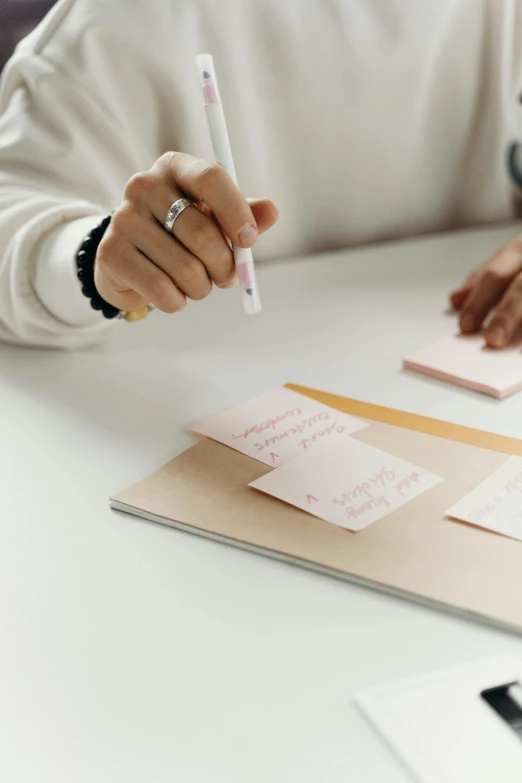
[
  {"x": 378, "y": 481},
  {"x": 270, "y": 423},
  {"x": 353, "y": 512},
  {"x": 298, "y": 429}
]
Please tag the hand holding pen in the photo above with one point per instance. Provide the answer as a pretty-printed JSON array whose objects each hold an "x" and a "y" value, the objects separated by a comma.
[{"x": 168, "y": 241}]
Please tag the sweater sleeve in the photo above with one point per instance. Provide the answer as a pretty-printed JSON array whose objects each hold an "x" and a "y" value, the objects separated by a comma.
[{"x": 62, "y": 169}]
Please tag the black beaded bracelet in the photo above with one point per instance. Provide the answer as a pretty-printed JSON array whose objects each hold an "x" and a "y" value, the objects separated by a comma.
[{"x": 85, "y": 259}]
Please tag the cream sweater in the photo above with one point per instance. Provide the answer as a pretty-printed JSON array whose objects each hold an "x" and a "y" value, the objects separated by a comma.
[{"x": 363, "y": 119}]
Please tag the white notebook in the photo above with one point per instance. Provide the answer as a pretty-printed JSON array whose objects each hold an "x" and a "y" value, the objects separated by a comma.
[{"x": 443, "y": 725}]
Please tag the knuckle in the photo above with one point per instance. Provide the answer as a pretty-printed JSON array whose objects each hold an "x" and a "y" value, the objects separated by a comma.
[
  {"x": 167, "y": 161},
  {"x": 492, "y": 276},
  {"x": 111, "y": 252},
  {"x": 192, "y": 277},
  {"x": 210, "y": 176},
  {"x": 140, "y": 185},
  {"x": 190, "y": 269},
  {"x": 126, "y": 213},
  {"x": 167, "y": 158},
  {"x": 165, "y": 296},
  {"x": 162, "y": 291}
]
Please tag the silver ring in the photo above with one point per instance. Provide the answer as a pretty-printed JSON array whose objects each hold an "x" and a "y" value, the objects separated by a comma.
[{"x": 175, "y": 211}]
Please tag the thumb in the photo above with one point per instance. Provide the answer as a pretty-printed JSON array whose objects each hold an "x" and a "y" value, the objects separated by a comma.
[{"x": 265, "y": 213}]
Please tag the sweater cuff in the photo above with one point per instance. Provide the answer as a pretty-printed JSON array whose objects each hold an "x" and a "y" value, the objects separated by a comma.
[{"x": 55, "y": 280}]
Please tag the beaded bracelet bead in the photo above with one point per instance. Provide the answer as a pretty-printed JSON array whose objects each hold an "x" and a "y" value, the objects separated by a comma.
[{"x": 85, "y": 259}]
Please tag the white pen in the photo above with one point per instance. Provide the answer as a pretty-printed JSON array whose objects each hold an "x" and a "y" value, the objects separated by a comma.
[{"x": 220, "y": 141}]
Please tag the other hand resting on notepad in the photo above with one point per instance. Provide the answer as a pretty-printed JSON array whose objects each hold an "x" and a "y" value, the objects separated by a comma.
[
  {"x": 493, "y": 289},
  {"x": 138, "y": 262}
]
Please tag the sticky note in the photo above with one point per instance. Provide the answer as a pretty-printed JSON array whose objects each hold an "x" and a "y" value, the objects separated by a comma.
[
  {"x": 346, "y": 482},
  {"x": 276, "y": 426},
  {"x": 466, "y": 361},
  {"x": 496, "y": 503}
]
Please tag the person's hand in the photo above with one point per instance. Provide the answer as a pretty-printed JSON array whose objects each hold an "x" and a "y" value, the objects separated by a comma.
[
  {"x": 139, "y": 262},
  {"x": 493, "y": 289}
]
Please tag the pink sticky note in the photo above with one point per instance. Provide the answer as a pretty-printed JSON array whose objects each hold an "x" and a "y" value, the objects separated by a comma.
[
  {"x": 347, "y": 482},
  {"x": 496, "y": 503},
  {"x": 466, "y": 361},
  {"x": 277, "y": 425}
]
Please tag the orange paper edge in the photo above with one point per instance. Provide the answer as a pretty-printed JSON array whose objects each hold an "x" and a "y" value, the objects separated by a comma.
[{"x": 412, "y": 421}]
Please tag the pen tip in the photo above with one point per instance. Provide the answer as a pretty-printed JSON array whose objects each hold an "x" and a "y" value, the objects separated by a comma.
[{"x": 206, "y": 75}]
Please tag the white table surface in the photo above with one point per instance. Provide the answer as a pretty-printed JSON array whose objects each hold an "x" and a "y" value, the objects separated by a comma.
[{"x": 131, "y": 652}]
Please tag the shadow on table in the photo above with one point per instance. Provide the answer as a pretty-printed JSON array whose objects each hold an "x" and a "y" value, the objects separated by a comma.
[
  {"x": 132, "y": 398},
  {"x": 149, "y": 379}
]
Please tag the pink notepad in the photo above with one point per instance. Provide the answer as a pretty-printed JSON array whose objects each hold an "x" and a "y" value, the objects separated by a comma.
[{"x": 466, "y": 361}]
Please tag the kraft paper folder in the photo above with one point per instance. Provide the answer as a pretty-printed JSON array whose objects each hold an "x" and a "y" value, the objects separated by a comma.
[{"x": 415, "y": 551}]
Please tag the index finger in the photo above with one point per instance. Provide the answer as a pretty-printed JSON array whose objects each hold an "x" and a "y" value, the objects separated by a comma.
[
  {"x": 494, "y": 279},
  {"x": 507, "y": 318},
  {"x": 209, "y": 182}
]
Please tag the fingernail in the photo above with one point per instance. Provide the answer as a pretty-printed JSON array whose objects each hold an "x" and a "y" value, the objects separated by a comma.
[
  {"x": 496, "y": 336},
  {"x": 230, "y": 283},
  {"x": 467, "y": 323},
  {"x": 248, "y": 235}
]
